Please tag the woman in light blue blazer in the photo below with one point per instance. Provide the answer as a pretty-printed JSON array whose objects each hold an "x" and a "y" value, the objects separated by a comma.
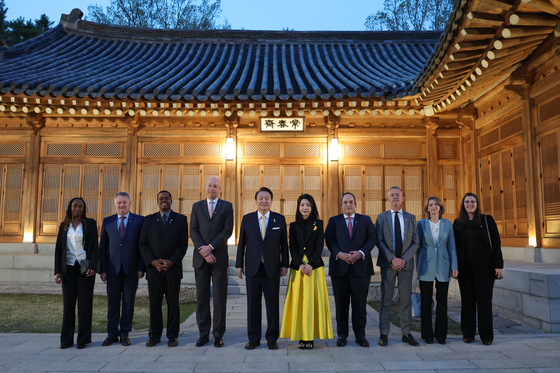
[{"x": 437, "y": 260}]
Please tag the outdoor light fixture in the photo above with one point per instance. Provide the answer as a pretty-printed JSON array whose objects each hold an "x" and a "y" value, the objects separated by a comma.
[
  {"x": 333, "y": 151},
  {"x": 230, "y": 149},
  {"x": 28, "y": 237}
]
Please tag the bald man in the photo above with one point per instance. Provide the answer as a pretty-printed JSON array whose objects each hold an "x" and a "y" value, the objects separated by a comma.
[{"x": 211, "y": 226}]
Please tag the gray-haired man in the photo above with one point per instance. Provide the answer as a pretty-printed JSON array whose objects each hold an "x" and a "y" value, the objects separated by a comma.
[{"x": 121, "y": 267}]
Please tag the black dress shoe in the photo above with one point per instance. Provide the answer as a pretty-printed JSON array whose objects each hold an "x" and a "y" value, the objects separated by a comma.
[
  {"x": 250, "y": 346},
  {"x": 110, "y": 340},
  {"x": 441, "y": 341},
  {"x": 125, "y": 341},
  {"x": 79, "y": 347},
  {"x": 410, "y": 340},
  {"x": 173, "y": 342},
  {"x": 301, "y": 344},
  {"x": 341, "y": 341},
  {"x": 152, "y": 342},
  {"x": 487, "y": 343},
  {"x": 273, "y": 346},
  {"x": 429, "y": 341},
  {"x": 309, "y": 345},
  {"x": 468, "y": 340},
  {"x": 362, "y": 342},
  {"x": 63, "y": 347},
  {"x": 218, "y": 342},
  {"x": 202, "y": 341},
  {"x": 383, "y": 340}
]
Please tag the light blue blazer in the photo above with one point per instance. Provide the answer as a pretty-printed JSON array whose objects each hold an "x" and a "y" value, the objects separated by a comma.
[{"x": 436, "y": 259}]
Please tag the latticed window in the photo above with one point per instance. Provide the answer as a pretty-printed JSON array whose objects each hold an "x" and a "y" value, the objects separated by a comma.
[{"x": 11, "y": 183}]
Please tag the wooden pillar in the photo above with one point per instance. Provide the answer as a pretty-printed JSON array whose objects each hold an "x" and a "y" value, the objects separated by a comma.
[
  {"x": 475, "y": 183},
  {"x": 434, "y": 180},
  {"x": 129, "y": 169},
  {"x": 30, "y": 195},
  {"x": 533, "y": 217},
  {"x": 230, "y": 190},
  {"x": 333, "y": 183}
]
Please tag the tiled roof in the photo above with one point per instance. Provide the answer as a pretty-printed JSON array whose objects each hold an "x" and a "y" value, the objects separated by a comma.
[{"x": 94, "y": 60}]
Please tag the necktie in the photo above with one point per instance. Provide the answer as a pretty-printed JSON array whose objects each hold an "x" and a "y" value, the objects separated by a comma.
[
  {"x": 398, "y": 236},
  {"x": 164, "y": 219},
  {"x": 121, "y": 227},
  {"x": 263, "y": 226},
  {"x": 211, "y": 211},
  {"x": 349, "y": 226}
]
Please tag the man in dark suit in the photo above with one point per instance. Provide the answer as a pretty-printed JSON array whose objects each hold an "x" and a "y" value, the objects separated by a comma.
[
  {"x": 211, "y": 226},
  {"x": 262, "y": 253},
  {"x": 163, "y": 244},
  {"x": 398, "y": 242},
  {"x": 121, "y": 267},
  {"x": 350, "y": 238}
]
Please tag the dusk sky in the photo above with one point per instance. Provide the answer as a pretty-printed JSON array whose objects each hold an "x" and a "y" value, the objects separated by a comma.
[{"x": 299, "y": 15}]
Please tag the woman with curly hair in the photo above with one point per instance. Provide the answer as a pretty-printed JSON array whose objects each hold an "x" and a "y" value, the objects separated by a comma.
[{"x": 75, "y": 262}]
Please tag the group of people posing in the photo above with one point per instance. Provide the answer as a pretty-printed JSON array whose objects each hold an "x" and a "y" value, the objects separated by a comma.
[{"x": 131, "y": 245}]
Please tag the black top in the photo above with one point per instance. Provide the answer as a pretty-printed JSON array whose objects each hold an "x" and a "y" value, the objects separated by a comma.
[
  {"x": 473, "y": 246},
  {"x": 307, "y": 240}
]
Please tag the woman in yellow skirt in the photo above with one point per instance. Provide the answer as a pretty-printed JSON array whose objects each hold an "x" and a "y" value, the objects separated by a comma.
[{"x": 307, "y": 312}]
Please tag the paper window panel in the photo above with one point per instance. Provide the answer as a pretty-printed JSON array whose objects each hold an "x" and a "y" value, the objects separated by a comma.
[
  {"x": 91, "y": 189},
  {"x": 353, "y": 184},
  {"x": 497, "y": 211},
  {"x": 191, "y": 189},
  {"x": 51, "y": 192},
  {"x": 150, "y": 188},
  {"x": 486, "y": 194},
  {"x": 312, "y": 184},
  {"x": 373, "y": 186},
  {"x": 13, "y": 193},
  {"x": 111, "y": 182},
  {"x": 520, "y": 181},
  {"x": 413, "y": 190},
  {"x": 251, "y": 183},
  {"x": 507, "y": 185}
]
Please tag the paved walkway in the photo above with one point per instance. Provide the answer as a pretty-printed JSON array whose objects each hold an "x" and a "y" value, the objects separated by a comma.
[{"x": 525, "y": 352}]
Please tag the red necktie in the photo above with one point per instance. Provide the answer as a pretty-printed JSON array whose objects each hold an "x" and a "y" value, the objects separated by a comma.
[
  {"x": 121, "y": 227},
  {"x": 349, "y": 226}
]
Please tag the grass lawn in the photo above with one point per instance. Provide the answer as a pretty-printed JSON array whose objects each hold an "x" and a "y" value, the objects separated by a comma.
[
  {"x": 453, "y": 327},
  {"x": 42, "y": 313}
]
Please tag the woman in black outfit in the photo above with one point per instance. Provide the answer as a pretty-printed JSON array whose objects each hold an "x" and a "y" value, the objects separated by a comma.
[
  {"x": 480, "y": 263},
  {"x": 76, "y": 247}
]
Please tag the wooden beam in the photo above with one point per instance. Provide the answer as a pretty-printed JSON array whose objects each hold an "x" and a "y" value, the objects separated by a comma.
[
  {"x": 545, "y": 84},
  {"x": 471, "y": 45},
  {"x": 463, "y": 56},
  {"x": 510, "y": 52},
  {"x": 487, "y": 19},
  {"x": 497, "y": 113},
  {"x": 556, "y": 4},
  {"x": 469, "y": 34},
  {"x": 508, "y": 43},
  {"x": 501, "y": 4},
  {"x": 522, "y": 31},
  {"x": 533, "y": 20},
  {"x": 542, "y": 5}
]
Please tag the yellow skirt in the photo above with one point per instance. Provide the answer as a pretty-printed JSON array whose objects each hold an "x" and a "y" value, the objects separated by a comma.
[{"x": 307, "y": 311}]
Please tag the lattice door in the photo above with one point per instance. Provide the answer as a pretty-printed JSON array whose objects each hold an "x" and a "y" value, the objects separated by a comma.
[
  {"x": 450, "y": 191},
  {"x": 11, "y": 184},
  {"x": 485, "y": 197},
  {"x": 96, "y": 184},
  {"x": 520, "y": 190},
  {"x": 287, "y": 183},
  {"x": 497, "y": 191},
  {"x": 550, "y": 184},
  {"x": 371, "y": 184}
]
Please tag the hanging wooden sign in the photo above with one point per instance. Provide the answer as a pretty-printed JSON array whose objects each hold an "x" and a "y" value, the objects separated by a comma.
[{"x": 282, "y": 124}]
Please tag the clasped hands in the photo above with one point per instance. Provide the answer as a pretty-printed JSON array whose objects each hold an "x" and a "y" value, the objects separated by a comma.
[
  {"x": 351, "y": 257},
  {"x": 397, "y": 264},
  {"x": 206, "y": 252},
  {"x": 306, "y": 269},
  {"x": 162, "y": 264}
]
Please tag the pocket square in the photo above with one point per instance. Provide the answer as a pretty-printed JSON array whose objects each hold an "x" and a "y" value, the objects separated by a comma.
[{"x": 275, "y": 228}]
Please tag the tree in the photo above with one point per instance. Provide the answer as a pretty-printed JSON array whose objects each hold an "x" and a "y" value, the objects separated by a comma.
[
  {"x": 166, "y": 14},
  {"x": 407, "y": 15},
  {"x": 18, "y": 30}
]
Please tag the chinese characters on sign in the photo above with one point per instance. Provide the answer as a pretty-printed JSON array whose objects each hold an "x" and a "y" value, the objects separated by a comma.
[{"x": 282, "y": 124}]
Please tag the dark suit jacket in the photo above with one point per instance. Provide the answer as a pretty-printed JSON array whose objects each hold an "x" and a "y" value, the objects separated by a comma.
[
  {"x": 90, "y": 246},
  {"x": 169, "y": 242},
  {"x": 485, "y": 257},
  {"x": 251, "y": 246},
  {"x": 115, "y": 251},
  {"x": 307, "y": 241},
  {"x": 338, "y": 240},
  {"x": 385, "y": 240},
  {"x": 215, "y": 231}
]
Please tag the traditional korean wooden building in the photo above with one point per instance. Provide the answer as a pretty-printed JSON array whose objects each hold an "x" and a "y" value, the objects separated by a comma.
[{"x": 88, "y": 110}]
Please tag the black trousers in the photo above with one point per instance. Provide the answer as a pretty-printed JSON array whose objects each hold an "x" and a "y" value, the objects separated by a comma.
[
  {"x": 156, "y": 290},
  {"x": 426, "y": 292},
  {"x": 80, "y": 287},
  {"x": 220, "y": 283},
  {"x": 350, "y": 289},
  {"x": 257, "y": 286},
  {"x": 476, "y": 294},
  {"x": 120, "y": 288}
]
